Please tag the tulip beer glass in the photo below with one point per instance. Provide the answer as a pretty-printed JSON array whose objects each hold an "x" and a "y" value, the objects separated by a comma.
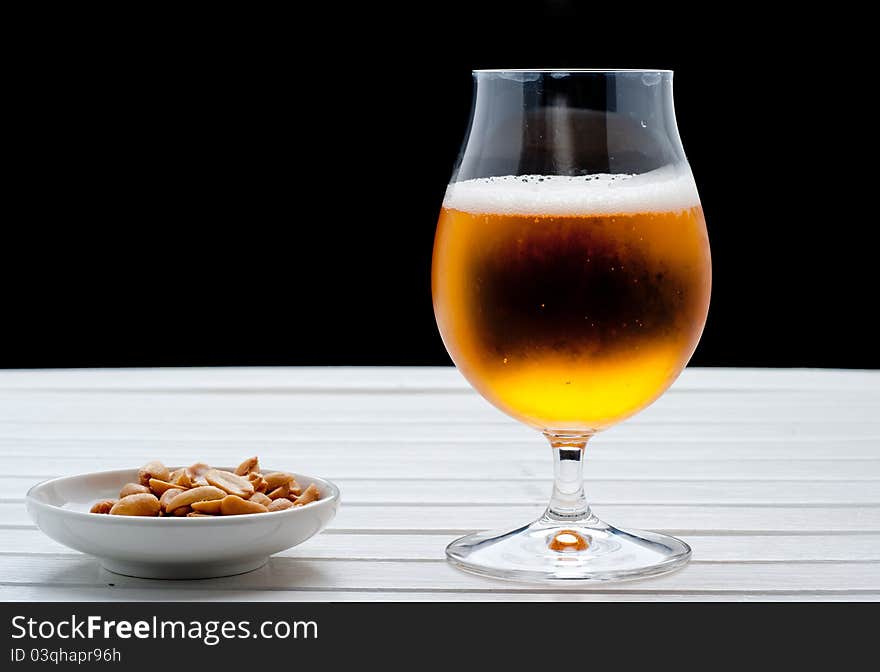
[{"x": 571, "y": 280}]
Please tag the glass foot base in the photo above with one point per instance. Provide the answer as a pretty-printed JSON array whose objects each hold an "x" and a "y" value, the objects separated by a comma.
[{"x": 552, "y": 551}]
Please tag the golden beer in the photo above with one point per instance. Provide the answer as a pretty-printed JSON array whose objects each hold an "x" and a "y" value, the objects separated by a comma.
[{"x": 571, "y": 303}]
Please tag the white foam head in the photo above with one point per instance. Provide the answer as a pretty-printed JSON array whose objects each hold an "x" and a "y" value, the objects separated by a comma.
[{"x": 664, "y": 190}]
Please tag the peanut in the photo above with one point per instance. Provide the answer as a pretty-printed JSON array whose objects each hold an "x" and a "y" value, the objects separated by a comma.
[
  {"x": 210, "y": 506},
  {"x": 132, "y": 489},
  {"x": 257, "y": 481},
  {"x": 103, "y": 506},
  {"x": 232, "y": 505},
  {"x": 281, "y": 492},
  {"x": 154, "y": 469},
  {"x": 159, "y": 487},
  {"x": 182, "y": 479},
  {"x": 197, "y": 473},
  {"x": 140, "y": 504},
  {"x": 249, "y": 466},
  {"x": 276, "y": 479},
  {"x": 167, "y": 496},
  {"x": 200, "y": 494},
  {"x": 200, "y": 491},
  {"x": 260, "y": 498},
  {"x": 234, "y": 485},
  {"x": 310, "y": 495},
  {"x": 280, "y": 505}
]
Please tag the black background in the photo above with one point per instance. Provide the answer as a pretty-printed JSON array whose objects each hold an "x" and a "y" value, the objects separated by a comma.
[{"x": 226, "y": 190}]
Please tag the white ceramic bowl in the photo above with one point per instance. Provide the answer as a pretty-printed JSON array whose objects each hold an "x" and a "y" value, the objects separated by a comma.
[{"x": 171, "y": 548}]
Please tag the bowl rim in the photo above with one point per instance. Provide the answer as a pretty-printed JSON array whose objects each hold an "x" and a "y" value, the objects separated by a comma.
[{"x": 103, "y": 519}]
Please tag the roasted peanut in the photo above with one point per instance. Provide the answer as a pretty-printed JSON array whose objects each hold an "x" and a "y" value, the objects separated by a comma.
[
  {"x": 258, "y": 481},
  {"x": 181, "y": 479},
  {"x": 201, "y": 491},
  {"x": 154, "y": 469},
  {"x": 260, "y": 498},
  {"x": 197, "y": 472},
  {"x": 140, "y": 504},
  {"x": 280, "y": 505},
  {"x": 159, "y": 487},
  {"x": 200, "y": 494},
  {"x": 249, "y": 466},
  {"x": 310, "y": 495},
  {"x": 234, "y": 485},
  {"x": 132, "y": 489},
  {"x": 103, "y": 506},
  {"x": 276, "y": 479},
  {"x": 281, "y": 492},
  {"x": 232, "y": 505},
  {"x": 167, "y": 496},
  {"x": 211, "y": 506}
]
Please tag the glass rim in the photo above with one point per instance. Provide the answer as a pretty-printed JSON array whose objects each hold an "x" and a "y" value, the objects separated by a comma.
[{"x": 598, "y": 71}]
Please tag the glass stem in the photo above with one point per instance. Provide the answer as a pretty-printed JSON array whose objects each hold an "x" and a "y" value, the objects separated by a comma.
[{"x": 568, "y": 503}]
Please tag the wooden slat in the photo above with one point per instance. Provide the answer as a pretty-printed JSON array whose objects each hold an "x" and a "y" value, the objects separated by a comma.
[
  {"x": 348, "y": 575},
  {"x": 19, "y": 593},
  {"x": 604, "y": 446},
  {"x": 438, "y": 430},
  {"x": 472, "y": 465}
]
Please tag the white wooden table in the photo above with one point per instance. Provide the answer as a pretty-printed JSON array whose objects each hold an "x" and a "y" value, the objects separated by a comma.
[{"x": 773, "y": 477}]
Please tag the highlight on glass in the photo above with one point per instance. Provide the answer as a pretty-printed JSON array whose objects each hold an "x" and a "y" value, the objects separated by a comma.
[{"x": 571, "y": 279}]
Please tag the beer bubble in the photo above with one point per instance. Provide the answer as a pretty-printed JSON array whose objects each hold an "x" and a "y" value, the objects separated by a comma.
[{"x": 662, "y": 190}]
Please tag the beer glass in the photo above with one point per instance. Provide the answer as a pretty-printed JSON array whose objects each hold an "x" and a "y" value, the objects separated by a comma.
[{"x": 571, "y": 279}]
